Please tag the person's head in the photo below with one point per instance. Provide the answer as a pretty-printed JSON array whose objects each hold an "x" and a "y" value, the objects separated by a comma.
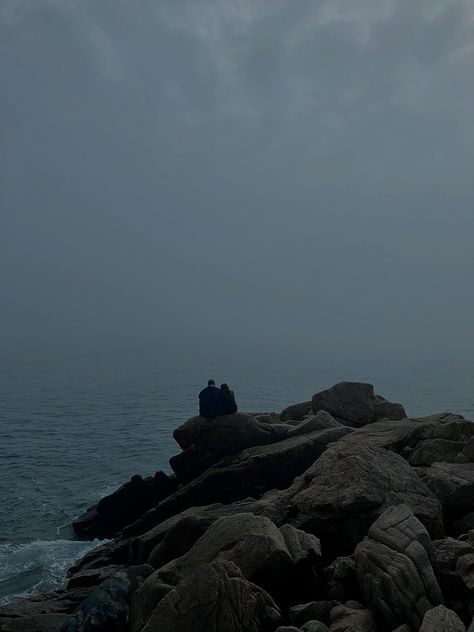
[
  {"x": 224, "y": 387},
  {"x": 211, "y": 382}
]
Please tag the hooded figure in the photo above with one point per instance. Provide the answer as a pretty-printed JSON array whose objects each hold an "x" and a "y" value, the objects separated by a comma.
[
  {"x": 228, "y": 400},
  {"x": 210, "y": 404}
]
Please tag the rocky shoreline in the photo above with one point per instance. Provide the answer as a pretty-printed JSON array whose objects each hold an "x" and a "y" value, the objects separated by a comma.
[{"x": 338, "y": 514}]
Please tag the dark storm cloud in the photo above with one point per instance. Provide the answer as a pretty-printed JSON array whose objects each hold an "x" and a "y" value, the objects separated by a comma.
[{"x": 298, "y": 172}]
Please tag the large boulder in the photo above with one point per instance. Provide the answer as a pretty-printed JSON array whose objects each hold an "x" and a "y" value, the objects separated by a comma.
[
  {"x": 107, "y": 607},
  {"x": 348, "y": 487},
  {"x": 395, "y": 569},
  {"x": 356, "y": 404},
  {"x": 282, "y": 561},
  {"x": 196, "y": 520},
  {"x": 123, "y": 506},
  {"x": 453, "y": 485},
  {"x": 216, "y": 598},
  {"x": 440, "y": 618},
  {"x": 206, "y": 441}
]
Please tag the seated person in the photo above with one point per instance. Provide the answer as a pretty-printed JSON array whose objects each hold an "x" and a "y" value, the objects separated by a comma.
[
  {"x": 229, "y": 405},
  {"x": 210, "y": 404}
]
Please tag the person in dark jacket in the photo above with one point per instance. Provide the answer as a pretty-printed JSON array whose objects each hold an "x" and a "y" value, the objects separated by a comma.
[
  {"x": 228, "y": 400},
  {"x": 210, "y": 403}
]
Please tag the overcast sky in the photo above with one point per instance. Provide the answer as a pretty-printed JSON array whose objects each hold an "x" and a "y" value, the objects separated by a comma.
[{"x": 287, "y": 172}]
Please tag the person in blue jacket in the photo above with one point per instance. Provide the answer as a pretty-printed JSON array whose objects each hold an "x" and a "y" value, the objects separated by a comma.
[{"x": 210, "y": 402}]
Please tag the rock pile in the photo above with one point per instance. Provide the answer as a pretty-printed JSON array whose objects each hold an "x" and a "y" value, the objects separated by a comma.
[{"x": 339, "y": 514}]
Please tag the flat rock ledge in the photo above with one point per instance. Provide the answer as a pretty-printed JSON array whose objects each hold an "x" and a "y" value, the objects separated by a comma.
[{"x": 339, "y": 514}]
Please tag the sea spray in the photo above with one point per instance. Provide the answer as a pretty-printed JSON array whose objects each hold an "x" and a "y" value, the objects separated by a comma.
[{"x": 39, "y": 566}]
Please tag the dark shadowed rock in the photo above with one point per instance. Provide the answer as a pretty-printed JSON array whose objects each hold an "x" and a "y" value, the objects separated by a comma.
[
  {"x": 41, "y": 613},
  {"x": 339, "y": 580},
  {"x": 296, "y": 412},
  {"x": 107, "y": 607},
  {"x": 124, "y": 506},
  {"x": 448, "y": 552},
  {"x": 468, "y": 451},
  {"x": 465, "y": 569},
  {"x": 395, "y": 569},
  {"x": 142, "y": 545},
  {"x": 348, "y": 487},
  {"x": 351, "y": 617},
  {"x": 304, "y": 612},
  {"x": 441, "y": 619},
  {"x": 113, "y": 553},
  {"x": 463, "y": 525},
  {"x": 282, "y": 561},
  {"x": 287, "y": 628},
  {"x": 250, "y": 473},
  {"x": 216, "y": 598},
  {"x": 206, "y": 441},
  {"x": 179, "y": 539},
  {"x": 355, "y": 403},
  {"x": 452, "y": 484}
]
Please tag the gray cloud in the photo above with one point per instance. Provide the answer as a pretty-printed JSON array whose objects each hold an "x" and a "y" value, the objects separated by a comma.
[{"x": 292, "y": 172}]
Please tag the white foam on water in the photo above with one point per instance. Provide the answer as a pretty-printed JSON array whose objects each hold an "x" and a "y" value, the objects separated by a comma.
[{"x": 29, "y": 569}]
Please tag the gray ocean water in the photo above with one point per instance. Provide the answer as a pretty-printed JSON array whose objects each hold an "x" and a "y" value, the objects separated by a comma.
[{"x": 77, "y": 422}]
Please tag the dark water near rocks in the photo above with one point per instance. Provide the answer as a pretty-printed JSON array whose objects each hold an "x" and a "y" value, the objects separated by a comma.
[{"x": 74, "y": 424}]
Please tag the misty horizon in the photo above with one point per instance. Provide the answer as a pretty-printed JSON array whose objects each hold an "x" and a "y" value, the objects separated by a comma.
[{"x": 240, "y": 175}]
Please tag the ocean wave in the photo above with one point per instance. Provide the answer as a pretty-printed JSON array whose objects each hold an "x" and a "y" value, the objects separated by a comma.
[{"x": 35, "y": 567}]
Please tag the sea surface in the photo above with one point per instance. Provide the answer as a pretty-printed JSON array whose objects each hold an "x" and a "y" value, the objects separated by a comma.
[{"x": 76, "y": 423}]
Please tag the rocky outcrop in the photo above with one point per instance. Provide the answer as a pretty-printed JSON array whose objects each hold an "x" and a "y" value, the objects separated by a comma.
[
  {"x": 206, "y": 441},
  {"x": 356, "y": 404},
  {"x": 348, "y": 487},
  {"x": 282, "y": 561},
  {"x": 295, "y": 520},
  {"x": 252, "y": 472},
  {"x": 215, "y": 598},
  {"x": 109, "y": 516},
  {"x": 395, "y": 569}
]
